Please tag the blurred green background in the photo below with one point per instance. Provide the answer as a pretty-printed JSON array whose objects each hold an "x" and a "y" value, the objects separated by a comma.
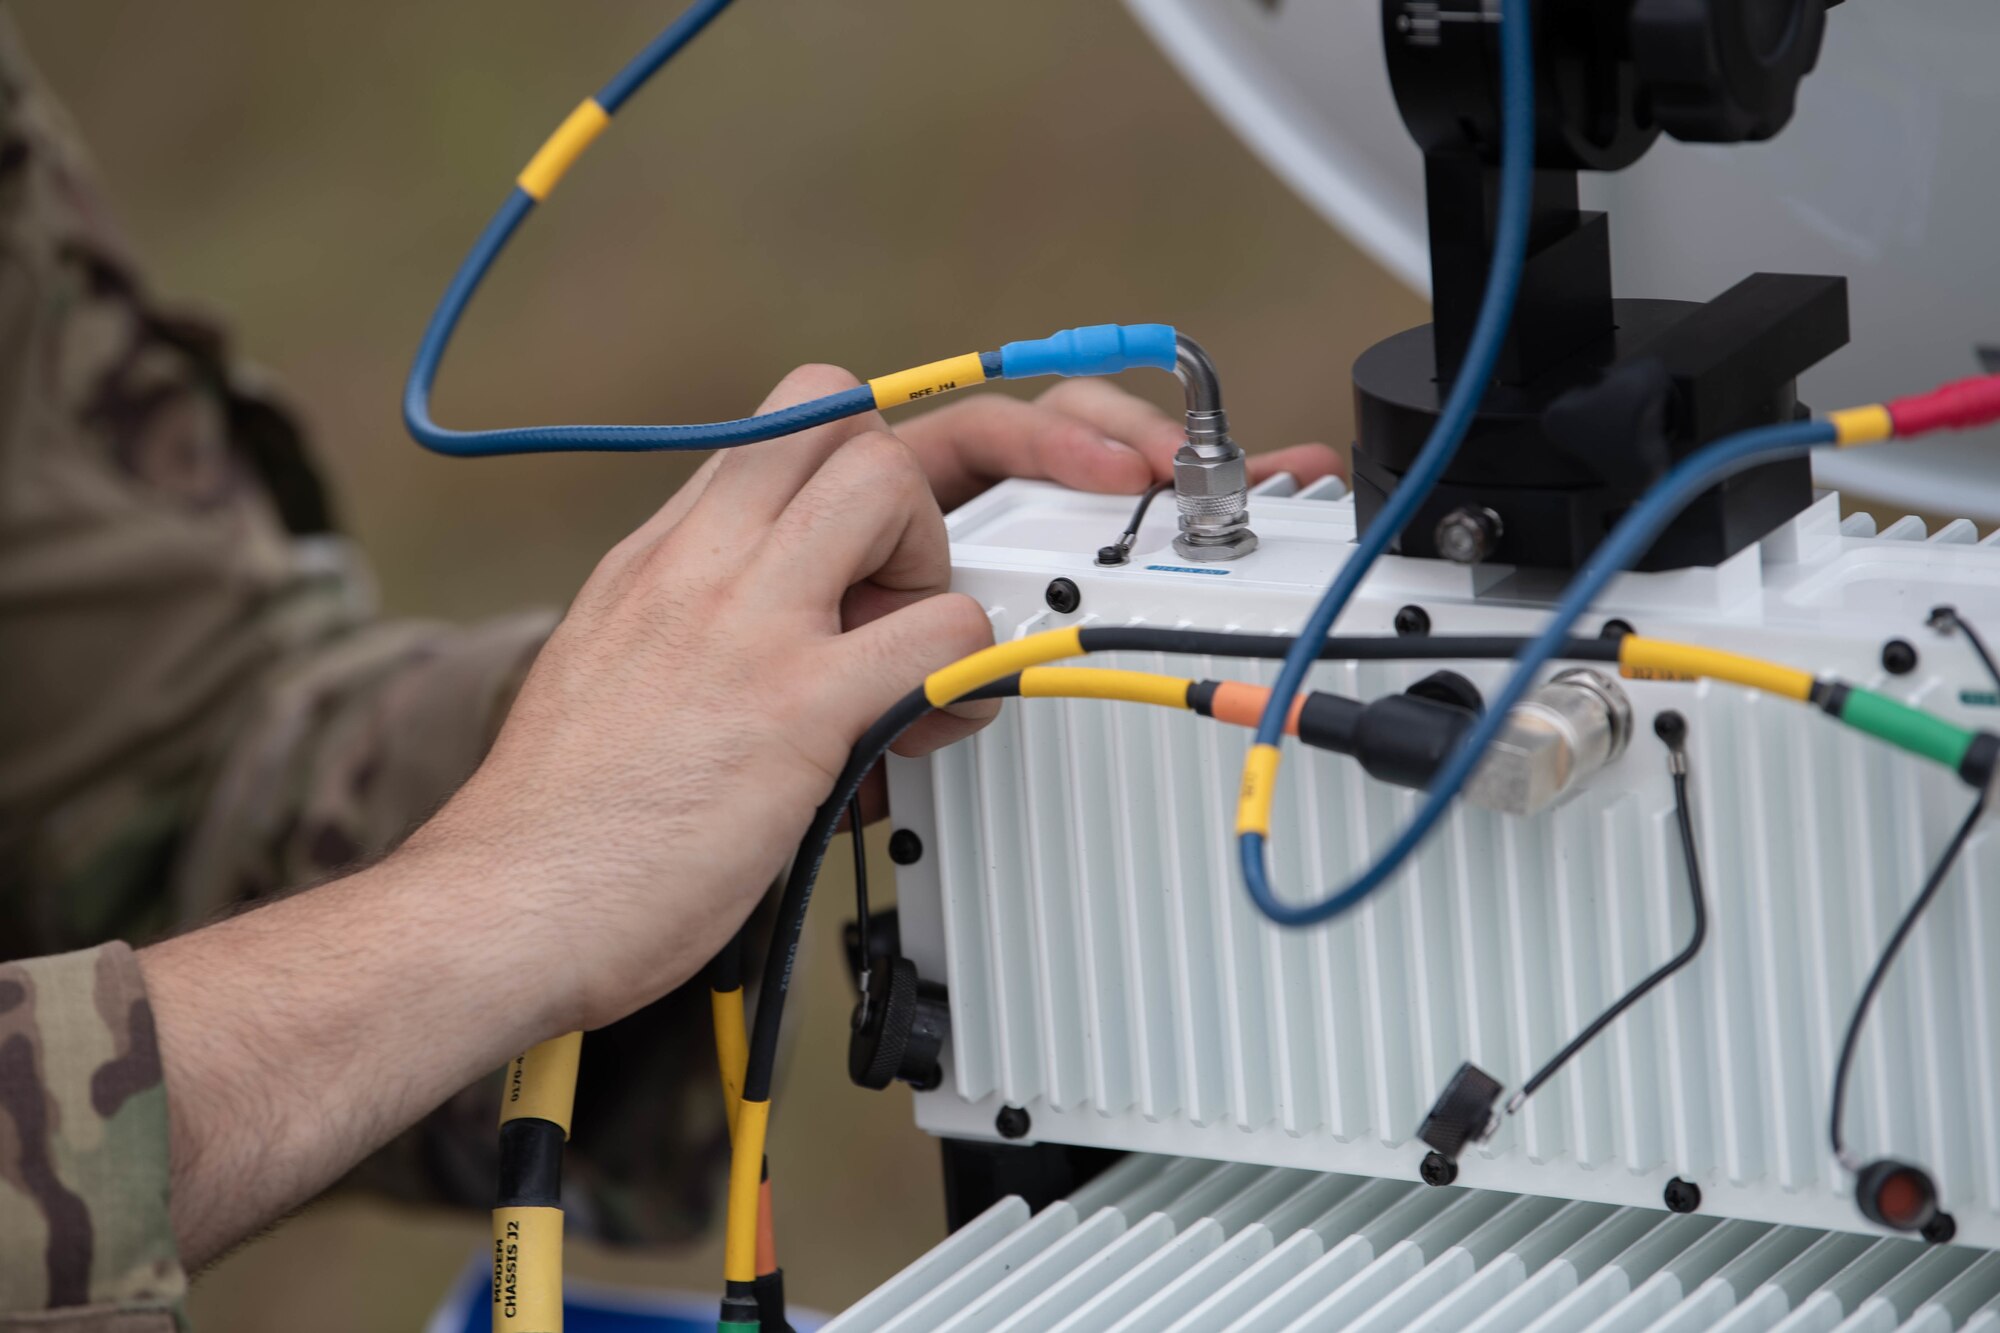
[{"x": 875, "y": 185}]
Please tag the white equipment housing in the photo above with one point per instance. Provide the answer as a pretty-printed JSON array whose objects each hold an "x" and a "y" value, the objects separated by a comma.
[{"x": 1079, "y": 898}]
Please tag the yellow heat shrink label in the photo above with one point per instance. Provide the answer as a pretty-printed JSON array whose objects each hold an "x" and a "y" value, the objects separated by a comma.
[
  {"x": 555, "y": 157},
  {"x": 1002, "y": 659},
  {"x": 541, "y": 1082},
  {"x": 1138, "y": 687},
  {"x": 1260, "y": 780},
  {"x": 906, "y": 386},
  {"x": 1855, "y": 426},
  {"x": 527, "y": 1270},
  {"x": 1655, "y": 659}
]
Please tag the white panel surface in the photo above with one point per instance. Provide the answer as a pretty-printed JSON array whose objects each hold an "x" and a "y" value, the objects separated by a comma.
[{"x": 1394, "y": 1256}]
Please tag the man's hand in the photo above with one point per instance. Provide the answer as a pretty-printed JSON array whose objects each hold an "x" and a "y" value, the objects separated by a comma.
[
  {"x": 1086, "y": 433},
  {"x": 661, "y": 760}
]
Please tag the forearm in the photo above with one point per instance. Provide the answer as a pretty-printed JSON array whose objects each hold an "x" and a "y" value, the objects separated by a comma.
[{"x": 298, "y": 1038}]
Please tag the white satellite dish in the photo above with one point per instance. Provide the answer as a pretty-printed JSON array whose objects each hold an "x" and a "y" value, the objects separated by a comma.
[{"x": 1889, "y": 174}]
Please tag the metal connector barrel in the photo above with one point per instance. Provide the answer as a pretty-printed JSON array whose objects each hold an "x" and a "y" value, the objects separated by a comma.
[{"x": 1211, "y": 474}]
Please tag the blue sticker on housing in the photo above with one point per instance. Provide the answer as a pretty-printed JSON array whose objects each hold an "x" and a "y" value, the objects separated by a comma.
[{"x": 1187, "y": 569}]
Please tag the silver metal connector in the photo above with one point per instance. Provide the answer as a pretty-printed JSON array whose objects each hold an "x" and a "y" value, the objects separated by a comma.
[
  {"x": 1211, "y": 474},
  {"x": 1554, "y": 739}
]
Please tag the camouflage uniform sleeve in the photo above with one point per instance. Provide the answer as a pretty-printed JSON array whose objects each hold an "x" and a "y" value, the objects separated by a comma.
[
  {"x": 85, "y": 1242},
  {"x": 200, "y": 703}
]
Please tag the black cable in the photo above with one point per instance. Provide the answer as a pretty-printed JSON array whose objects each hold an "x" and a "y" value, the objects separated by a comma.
[
  {"x": 1852, "y": 1041},
  {"x": 861, "y": 887},
  {"x": 775, "y": 984},
  {"x": 1121, "y": 550},
  {"x": 1350, "y": 648},
  {"x": 1671, "y": 728},
  {"x": 1946, "y": 618}
]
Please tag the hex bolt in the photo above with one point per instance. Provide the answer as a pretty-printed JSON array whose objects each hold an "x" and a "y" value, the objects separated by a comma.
[
  {"x": 905, "y": 847},
  {"x": 1063, "y": 596},
  {"x": 1468, "y": 534},
  {"x": 1413, "y": 622},
  {"x": 1898, "y": 657},
  {"x": 1437, "y": 1170},
  {"x": 1012, "y": 1123},
  {"x": 1682, "y": 1196}
]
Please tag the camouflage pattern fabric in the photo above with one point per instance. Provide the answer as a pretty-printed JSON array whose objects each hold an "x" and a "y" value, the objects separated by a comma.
[
  {"x": 83, "y": 1150},
  {"x": 200, "y": 705}
]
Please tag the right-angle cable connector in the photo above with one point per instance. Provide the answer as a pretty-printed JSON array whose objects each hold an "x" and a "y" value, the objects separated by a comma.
[
  {"x": 1554, "y": 739},
  {"x": 1211, "y": 474}
]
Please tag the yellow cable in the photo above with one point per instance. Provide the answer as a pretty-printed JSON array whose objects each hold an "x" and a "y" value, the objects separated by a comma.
[
  {"x": 556, "y": 156},
  {"x": 1002, "y": 659},
  {"x": 1655, "y": 659},
  {"x": 527, "y": 1239},
  {"x": 746, "y": 1172},
  {"x": 732, "y": 1046},
  {"x": 1139, "y": 687},
  {"x": 906, "y": 386}
]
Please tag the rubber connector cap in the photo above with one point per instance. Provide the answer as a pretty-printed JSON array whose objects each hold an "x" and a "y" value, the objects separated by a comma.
[
  {"x": 1461, "y": 1112},
  {"x": 1099, "y": 349},
  {"x": 1896, "y": 1195}
]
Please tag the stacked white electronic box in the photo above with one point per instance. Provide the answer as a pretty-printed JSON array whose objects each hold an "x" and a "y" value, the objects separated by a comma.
[{"x": 1079, "y": 901}]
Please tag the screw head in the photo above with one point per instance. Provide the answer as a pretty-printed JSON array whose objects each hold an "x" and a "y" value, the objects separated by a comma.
[
  {"x": 1413, "y": 622},
  {"x": 1012, "y": 1123},
  {"x": 1437, "y": 1170},
  {"x": 1898, "y": 657},
  {"x": 1468, "y": 534},
  {"x": 1682, "y": 1196},
  {"x": 1063, "y": 596},
  {"x": 1616, "y": 629},
  {"x": 1941, "y": 1230},
  {"x": 905, "y": 847}
]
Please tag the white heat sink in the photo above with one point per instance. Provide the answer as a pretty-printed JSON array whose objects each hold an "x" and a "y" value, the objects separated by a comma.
[
  {"x": 1079, "y": 897},
  {"x": 1165, "y": 1245}
]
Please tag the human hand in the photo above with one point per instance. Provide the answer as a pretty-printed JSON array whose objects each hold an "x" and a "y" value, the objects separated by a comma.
[
  {"x": 673, "y": 738},
  {"x": 1088, "y": 434}
]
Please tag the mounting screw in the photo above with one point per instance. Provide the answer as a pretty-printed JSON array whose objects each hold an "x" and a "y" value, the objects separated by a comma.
[
  {"x": 1063, "y": 596},
  {"x": 1468, "y": 534},
  {"x": 1413, "y": 622},
  {"x": 1898, "y": 657},
  {"x": 1682, "y": 1196},
  {"x": 1940, "y": 1229},
  {"x": 1616, "y": 629},
  {"x": 1437, "y": 1170},
  {"x": 1012, "y": 1123},
  {"x": 905, "y": 847}
]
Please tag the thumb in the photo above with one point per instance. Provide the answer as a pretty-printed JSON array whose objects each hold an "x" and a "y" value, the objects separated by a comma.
[{"x": 885, "y": 659}]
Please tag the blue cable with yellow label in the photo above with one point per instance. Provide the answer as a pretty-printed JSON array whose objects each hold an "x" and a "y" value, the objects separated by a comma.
[{"x": 1104, "y": 349}]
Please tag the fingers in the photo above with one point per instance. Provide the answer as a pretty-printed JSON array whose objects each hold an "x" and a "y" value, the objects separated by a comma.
[
  {"x": 753, "y": 484},
  {"x": 882, "y": 661},
  {"x": 867, "y": 515},
  {"x": 969, "y": 445},
  {"x": 1306, "y": 462},
  {"x": 1134, "y": 421}
]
